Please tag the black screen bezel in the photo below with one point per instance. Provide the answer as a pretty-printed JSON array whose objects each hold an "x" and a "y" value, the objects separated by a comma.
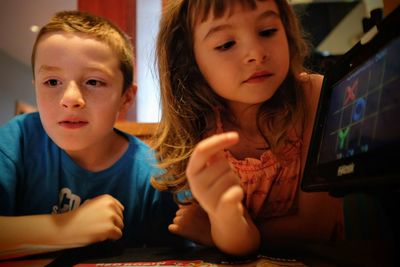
[{"x": 374, "y": 170}]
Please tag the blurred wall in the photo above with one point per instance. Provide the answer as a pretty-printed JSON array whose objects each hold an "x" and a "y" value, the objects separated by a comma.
[
  {"x": 147, "y": 100},
  {"x": 16, "y": 84}
]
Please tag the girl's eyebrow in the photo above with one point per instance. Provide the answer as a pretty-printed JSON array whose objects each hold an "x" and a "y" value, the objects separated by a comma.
[
  {"x": 216, "y": 29},
  {"x": 268, "y": 14},
  {"x": 264, "y": 15}
]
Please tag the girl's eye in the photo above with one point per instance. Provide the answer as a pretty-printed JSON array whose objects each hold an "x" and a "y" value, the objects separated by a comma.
[
  {"x": 225, "y": 46},
  {"x": 268, "y": 33},
  {"x": 52, "y": 82},
  {"x": 95, "y": 83}
]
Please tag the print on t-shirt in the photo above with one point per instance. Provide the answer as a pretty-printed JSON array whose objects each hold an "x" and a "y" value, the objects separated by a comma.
[{"x": 67, "y": 201}]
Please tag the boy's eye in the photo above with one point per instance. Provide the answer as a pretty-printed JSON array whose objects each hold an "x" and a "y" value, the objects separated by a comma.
[
  {"x": 225, "y": 46},
  {"x": 96, "y": 83},
  {"x": 52, "y": 82},
  {"x": 268, "y": 33}
]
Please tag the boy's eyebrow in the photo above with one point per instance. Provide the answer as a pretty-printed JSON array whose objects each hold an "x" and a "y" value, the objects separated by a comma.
[
  {"x": 99, "y": 68},
  {"x": 54, "y": 68},
  {"x": 48, "y": 68},
  {"x": 264, "y": 15}
]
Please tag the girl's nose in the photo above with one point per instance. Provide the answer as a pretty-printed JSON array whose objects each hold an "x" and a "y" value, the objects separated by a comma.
[
  {"x": 256, "y": 53},
  {"x": 72, "y": 97}
]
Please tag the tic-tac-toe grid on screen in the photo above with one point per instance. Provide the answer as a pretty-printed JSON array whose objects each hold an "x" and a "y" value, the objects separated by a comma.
[{"x": 364, "y": 111}]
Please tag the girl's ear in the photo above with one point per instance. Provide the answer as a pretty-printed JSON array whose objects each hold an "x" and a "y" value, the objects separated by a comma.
[{"x": 128, "y": 98}]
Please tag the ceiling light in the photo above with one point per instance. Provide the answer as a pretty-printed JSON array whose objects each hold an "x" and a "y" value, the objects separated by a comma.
[{"x": 35, "y": 28}]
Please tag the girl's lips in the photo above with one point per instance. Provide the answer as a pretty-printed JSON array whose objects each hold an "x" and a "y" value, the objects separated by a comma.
[
  {"x": 258, "y": 77},
  {"x": 73, "y": 124}
]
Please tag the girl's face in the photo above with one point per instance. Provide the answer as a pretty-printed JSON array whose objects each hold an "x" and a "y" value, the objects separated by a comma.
[
  {"x": 244, "y": 55},
  {"x": 78, "y": 89}
]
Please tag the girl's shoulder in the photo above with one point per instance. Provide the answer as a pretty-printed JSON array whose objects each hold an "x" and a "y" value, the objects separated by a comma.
[{"x": 311, "y": 85}]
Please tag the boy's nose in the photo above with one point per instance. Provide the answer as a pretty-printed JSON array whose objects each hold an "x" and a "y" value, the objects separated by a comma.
[{"x": 72, "y": 97}]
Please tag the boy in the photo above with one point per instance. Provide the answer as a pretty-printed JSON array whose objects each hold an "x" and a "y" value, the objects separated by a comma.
[{"x": 67, "y": 177}]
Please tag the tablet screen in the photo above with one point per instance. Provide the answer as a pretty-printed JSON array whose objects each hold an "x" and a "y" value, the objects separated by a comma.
[{"x": 364, "y": 111}]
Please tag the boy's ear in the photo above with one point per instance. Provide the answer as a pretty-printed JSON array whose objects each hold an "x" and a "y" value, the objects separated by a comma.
[{"x": 128, "y": 98}]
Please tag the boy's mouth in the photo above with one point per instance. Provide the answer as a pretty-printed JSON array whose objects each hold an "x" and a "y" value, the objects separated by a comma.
[{"x": 73, "y": 124}]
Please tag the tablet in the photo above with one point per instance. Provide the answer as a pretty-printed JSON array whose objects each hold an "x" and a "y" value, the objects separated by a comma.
[{"x": 355, "y": 144}]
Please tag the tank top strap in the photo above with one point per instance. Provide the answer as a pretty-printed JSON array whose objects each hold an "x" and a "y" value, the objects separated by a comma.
[{"x": 219, "y": 127}]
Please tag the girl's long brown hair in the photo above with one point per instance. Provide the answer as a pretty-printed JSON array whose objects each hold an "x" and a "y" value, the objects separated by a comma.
[{"x": 188, "y": 102}]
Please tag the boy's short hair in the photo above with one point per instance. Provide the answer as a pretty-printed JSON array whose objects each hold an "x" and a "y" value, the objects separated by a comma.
[{"x": 96, "y": 27}]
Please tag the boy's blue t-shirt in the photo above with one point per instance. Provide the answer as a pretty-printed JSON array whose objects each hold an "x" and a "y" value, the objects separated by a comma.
[{"x": 37, "y": 177}]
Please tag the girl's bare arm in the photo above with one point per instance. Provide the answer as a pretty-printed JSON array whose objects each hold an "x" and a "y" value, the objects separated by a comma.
[
  {"x": 317, "y": 212},
  {"x": 217, "y": 188}
]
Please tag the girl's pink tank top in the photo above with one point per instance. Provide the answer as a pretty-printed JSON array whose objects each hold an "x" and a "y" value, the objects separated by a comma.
[{"x": 270, "y": 184}]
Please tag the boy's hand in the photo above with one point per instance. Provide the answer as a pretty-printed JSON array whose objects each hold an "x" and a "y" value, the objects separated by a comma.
[
  {"x": 192, "y": 223},
  {"x": 211, "y": 178},
  {"x": 97, "y": 219}
]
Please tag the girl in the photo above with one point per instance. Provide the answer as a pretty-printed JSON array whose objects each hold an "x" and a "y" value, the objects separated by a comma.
[{"x": 238, "y": 111}]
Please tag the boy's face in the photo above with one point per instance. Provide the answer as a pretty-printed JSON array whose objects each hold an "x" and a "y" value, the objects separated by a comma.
[
  {"x": 244, "y": 55},
  {"x": 78, "y": 86}
]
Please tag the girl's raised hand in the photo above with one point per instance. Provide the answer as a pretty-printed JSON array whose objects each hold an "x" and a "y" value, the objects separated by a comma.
[{"x": 211, "y": 178}]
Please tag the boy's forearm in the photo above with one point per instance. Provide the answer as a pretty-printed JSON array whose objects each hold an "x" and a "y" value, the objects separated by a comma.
[
  {"x": 236, "y": 236},
  {"x": 44, "y": 230}
]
